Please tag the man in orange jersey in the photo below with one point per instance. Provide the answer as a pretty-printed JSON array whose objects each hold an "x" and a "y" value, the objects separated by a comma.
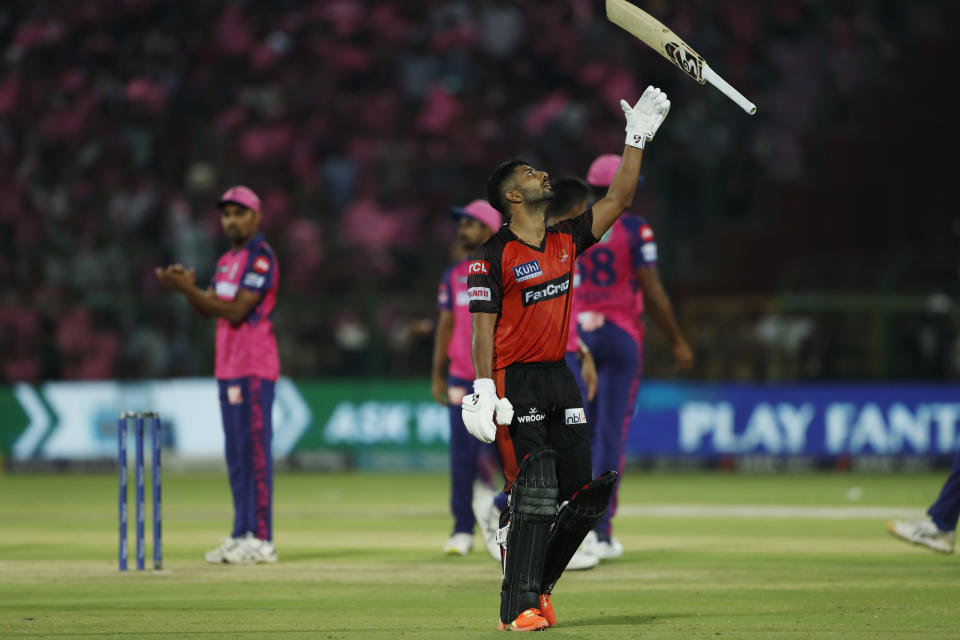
[{"x": 525, "y": 397}]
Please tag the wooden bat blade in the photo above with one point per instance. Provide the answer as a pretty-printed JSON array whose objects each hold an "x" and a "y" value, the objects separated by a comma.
[
  {"x": 661, "y": 39},
  {"x": 655, "y": 35}
]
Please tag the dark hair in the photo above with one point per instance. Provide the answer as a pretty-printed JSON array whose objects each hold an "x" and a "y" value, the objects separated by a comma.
[
  {"x": 599, "y": 192},
  {"x": 568, "y": 191},
  {"x": 495, "y": 185}
]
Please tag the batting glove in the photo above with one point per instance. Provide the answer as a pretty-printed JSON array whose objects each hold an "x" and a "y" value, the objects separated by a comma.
[
  {"x": 479, "y": 408},
  {"x": 644, "y": 118}
]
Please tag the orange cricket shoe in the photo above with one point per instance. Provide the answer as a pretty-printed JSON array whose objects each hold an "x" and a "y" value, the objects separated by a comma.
[
  {"x": 546, "y": 610},
  {"x": 529, "y": 620}
]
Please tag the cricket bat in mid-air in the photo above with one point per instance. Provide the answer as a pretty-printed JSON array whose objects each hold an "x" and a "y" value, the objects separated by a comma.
[{"x": 655, "y": 35}]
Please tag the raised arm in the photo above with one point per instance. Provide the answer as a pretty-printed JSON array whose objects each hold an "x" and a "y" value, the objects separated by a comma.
[{"x": 643, "y": 120}]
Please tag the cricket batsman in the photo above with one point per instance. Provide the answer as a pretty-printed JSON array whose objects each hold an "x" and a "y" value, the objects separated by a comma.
[{"x": 524, "y": 395}]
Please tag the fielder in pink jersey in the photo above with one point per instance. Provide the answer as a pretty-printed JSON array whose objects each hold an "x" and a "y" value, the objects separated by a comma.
[
  {"x": 619, "y": 274},
  {"x": 242, "y": 295},
  {"x": 468, "y": 456}
]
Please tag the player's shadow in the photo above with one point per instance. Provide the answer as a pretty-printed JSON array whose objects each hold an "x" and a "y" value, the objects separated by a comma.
[{"x": 622, "y": 620}]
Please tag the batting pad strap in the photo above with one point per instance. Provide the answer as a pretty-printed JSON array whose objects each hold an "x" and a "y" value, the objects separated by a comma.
[{"x": 533, "y": 501}]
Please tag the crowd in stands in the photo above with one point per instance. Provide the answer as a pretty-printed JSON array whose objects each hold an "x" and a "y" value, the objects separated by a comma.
[{"x": 359, "y": 122}]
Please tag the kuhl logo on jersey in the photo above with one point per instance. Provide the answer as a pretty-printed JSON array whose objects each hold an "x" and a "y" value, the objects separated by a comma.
[
  {"x": 527, "y": 270},
  {"x": 555, "y": 288},
  {"x": 479, "y": 266}
]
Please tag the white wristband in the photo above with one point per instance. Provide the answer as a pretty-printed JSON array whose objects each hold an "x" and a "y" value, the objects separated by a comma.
[{"x": 637, "y": 140}]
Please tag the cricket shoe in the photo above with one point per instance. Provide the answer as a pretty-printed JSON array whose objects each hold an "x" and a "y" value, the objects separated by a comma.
[
  {"x": 529, "y": 620},
  {"x": 924, "y": 533},
  {"x": 601, "y": 549},
  {"x": 251, "y": 550},
  {"x": 546, "y": 610},
  {"x": 219, "y": 555},
  {"x": 459, "y": 544},
  {"x": 581, "y": 561},
  {"x": 488, "y": 521}
]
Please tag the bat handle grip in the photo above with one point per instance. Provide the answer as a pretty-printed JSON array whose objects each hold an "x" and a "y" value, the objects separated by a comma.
[{"x": 710, "y": 76}]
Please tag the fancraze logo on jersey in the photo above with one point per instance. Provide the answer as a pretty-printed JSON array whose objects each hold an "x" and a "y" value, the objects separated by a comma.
[
  {"x": 527, "y": 271},
  {"x": 553, "y": 289},
  {"x": 533, "y": 416}
]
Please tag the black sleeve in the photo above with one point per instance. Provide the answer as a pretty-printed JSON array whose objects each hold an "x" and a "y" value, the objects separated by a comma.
[
  {"x": 484, "y": 279},
  {"x": 580, "y": 228}
]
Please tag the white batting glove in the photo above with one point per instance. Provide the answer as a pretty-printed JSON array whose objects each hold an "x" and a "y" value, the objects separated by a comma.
[
  {"x": 645, "y": 117},
  {"x": 479, "y": 408}
]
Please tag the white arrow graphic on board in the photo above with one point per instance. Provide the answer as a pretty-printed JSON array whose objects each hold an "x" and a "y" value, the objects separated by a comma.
[
  {"x": 31, "y": 438},
  {"x": 294, "y": 417}
]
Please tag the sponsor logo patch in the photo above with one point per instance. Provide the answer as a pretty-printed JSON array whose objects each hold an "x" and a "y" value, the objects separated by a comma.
[
  {"x": 478, "y": 293},
  {"x": 574, "y": 416},
  {"x": 527, "y": 270},
  {"x": 463, "y": 298},
  {"x": 479, "y": 267},
  {"x": 649, "y": 252},
  {"x": 646, "y": 233},
  {"x": 556, "y": 288},
  {"x": 253, "y": 280},
  {"x": 235, "y": 394},
  {"x": 226, "y": 290},
  {"x": 261, "y": 264},
  {"x": 532, "y": 416}
]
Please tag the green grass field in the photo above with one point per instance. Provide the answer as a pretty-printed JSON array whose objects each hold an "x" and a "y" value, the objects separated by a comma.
[{"x": 360, "y": 558}]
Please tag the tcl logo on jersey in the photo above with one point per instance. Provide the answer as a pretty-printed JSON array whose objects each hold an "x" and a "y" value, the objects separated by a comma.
[
  {"x": 478, "y": 293},
  {"x": 527, "y": 270},
  {"x": 261, "y": 265},
  {"x": 574, "y": 416},
  {"x": 646, "y": 233},
  {"x": 555, "y": 288},
  {"x": 479, "y": 266}
]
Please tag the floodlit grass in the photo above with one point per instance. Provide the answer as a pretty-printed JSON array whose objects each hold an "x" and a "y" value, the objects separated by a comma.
[{"x": 360, "y": 558}]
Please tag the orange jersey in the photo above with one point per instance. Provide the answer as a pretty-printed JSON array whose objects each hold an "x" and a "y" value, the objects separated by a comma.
[{"x": 530, "y": 290}]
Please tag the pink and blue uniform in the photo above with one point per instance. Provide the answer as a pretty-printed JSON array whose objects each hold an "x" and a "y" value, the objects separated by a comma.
[
  {"x": 466, "y": 452},
  {"x": 247, "y": 367},
  {"x": 611, "y": 302}
]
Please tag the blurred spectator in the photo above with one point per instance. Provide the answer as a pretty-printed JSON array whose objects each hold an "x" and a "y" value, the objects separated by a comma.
[{"x": 359, "y": 120}]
